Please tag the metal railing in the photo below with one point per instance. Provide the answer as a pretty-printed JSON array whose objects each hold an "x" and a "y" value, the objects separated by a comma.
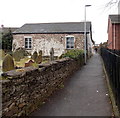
[{"x": 111, "y": 60}]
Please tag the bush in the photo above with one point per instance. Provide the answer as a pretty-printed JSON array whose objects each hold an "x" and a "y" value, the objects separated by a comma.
[{"x": 74, "y": 54}]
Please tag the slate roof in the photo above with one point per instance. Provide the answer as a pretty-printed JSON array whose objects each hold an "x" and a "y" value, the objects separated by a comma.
[
  {"x": 65, "y": 27},
  {"x": 115, "y": 18}
]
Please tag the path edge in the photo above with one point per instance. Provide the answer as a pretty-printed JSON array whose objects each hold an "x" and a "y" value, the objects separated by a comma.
[{"x": 111, "y": 96}]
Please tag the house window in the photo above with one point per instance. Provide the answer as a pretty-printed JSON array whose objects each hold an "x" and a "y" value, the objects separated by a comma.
[
  {"x": 70, "y": 42},
  {"x": 28, "y": 42}
]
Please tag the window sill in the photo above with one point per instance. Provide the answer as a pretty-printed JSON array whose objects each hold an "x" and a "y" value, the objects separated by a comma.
[
  {"x": 28, "y": 48},
  {"x": 69, "y": 48}
]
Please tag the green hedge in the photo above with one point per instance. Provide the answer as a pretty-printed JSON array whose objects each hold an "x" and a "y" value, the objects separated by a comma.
[{"x": 74, "y": 54}]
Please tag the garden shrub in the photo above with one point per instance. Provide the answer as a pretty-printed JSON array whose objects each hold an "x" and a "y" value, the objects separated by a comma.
[{"x": 74, "y": 54}]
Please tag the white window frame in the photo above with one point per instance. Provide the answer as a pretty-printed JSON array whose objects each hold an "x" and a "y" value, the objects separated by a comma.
[
  {"x": 70, "y": 36},
  {"x": 28, "y": 43}
]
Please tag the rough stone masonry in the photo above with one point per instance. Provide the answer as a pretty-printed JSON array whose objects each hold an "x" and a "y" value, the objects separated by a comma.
[{"x": 27, "y": 88}]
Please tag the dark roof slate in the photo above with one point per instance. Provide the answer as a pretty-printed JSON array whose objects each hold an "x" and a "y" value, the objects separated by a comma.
[
  {"x": 66, "y": 27},
  {"x": 115, "y": 18}
]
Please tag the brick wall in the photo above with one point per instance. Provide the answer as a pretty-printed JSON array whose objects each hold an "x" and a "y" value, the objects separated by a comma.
[
  {"x": 26, "y": 89},
  {"x": 44, "y": 42},
  {"x": 110, "y": 35},
  {"x": 114, "y": 36},
  {"x": 117, "y": 42}
]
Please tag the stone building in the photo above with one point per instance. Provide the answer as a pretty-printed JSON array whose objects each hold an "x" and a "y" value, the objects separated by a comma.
[
  {"x": 4, "y": 30},
  {"x": 114, "y": 32},
  {"x": 60, "y": 36}
]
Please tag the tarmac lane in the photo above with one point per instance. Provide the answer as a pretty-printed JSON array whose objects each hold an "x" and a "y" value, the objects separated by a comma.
[{"x": 84, "y": 94}]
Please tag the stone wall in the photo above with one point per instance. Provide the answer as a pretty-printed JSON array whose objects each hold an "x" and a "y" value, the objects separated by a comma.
[
  {"x": 45, "y": 42},
  {"x": 27, "y": 88}
]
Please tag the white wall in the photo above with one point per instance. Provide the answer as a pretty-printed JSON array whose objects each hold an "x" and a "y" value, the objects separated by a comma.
[
  {"x": 90, "y": 44},
  {"x": 45, "y": 46}
]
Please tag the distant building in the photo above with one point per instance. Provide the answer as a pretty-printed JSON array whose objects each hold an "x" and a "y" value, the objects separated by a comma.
[
  {"x": 60, "y": 36},
  {"x": 4, "y": 30},
  {"x": 114, "y": 32}
]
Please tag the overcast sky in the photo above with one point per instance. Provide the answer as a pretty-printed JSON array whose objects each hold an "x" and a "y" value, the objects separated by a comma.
[{"x": 15, "y": 13}]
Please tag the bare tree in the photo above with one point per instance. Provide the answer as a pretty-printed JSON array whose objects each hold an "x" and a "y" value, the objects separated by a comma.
[{"x": 112, "y": 3}]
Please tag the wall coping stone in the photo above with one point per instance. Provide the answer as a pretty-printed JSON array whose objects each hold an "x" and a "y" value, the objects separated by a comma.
[
  {"x": 13, "y": 74},
  {"x": 18, "y": 72}
]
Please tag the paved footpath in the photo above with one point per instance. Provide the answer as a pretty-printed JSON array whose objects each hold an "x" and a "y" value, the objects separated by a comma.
[{"x": 84, "y": 94}]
